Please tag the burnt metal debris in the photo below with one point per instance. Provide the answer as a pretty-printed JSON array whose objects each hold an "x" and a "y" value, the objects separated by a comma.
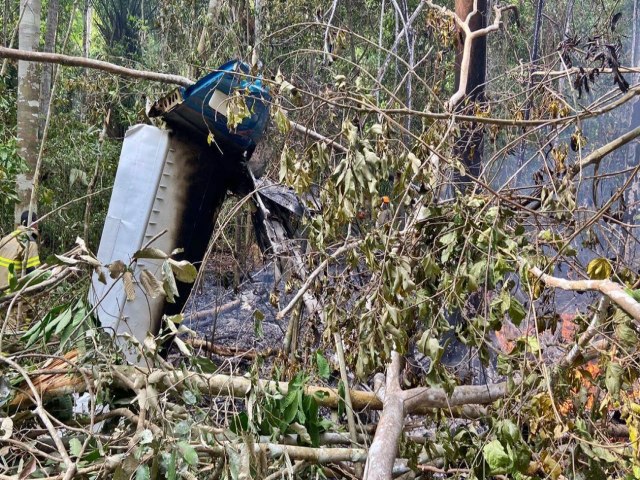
[{"x": 205, "y": 156}]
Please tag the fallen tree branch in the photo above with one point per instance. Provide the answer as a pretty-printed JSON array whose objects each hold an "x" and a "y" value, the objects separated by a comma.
[
  {"x": 467, "y": 397},
  {"x": 315, "y": 135},
  {"x": 398, "y": 403},
  {"x": 212, "y": 312},
  {"x": 576, "y": 351},
  {"x": 72, "y": 61},
  {"x": 54, "y": 279},
  {"x": 384, "y": 448},
  {"x": 44, "y": 417},
  {"x": 614, "y": 291}
]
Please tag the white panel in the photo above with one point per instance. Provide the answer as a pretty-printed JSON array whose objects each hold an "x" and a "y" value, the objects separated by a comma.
[
  {"x": 220, "y": 102},
  {"x": 142, "y": 161}
]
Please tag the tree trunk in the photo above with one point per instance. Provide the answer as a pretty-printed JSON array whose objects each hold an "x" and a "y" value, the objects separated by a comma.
[
  {"x": 257, "y": 31},
  {"x": 632, "y": 197},
  {"x": 567, "y": 31},
  {"x": 469, "y": 145},
  {"x": 5, "y": 21},
  {"x": 86, "y": 31},
  {"x": 47, "y": 69},
  {"x": 28, "y": 102},
  {"x": 535, "y": 55},
  {"x": 210, "y": 21},
  {"x": 384, "y": 448}
]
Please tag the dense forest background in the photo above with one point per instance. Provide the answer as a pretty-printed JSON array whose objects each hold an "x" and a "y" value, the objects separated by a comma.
[{"x": 481, "y": 322}]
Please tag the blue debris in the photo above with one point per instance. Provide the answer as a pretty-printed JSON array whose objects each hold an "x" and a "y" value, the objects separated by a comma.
[{"x": 202, "y": 107}]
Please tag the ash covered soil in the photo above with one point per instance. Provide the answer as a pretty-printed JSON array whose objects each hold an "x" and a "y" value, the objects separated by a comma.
[{"x": 242, "y": 317}]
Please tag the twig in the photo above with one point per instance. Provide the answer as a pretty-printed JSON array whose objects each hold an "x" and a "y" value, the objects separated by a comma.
[
  {"x": 312, "y": 276},
  {"x": 40, "y": 286},
  {"x": 345, "y": 380},
  {"x": 213, "y": 312},
  {"x": 294, "y": 470},
  {"x": 40, "y": 411},
  {"x": 588, "y": 334},
  {"x": 599, "y": 153},
  {"x": 614, "y": 291},
  {"x": 316, "y": 136}
]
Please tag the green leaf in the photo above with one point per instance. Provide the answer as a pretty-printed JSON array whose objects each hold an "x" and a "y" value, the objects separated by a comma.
[
  {"x": 75, "y": 447},
  {"x": 153, "y": 253},
  {"x": 169, "y": 283},
  {"x": 324, "y": 370},
  {"x": 146, "y": 437},
  {"x": 599, "y": 269},
  {"x": 449, "y": 238},
  {"x": 430, "y": 347},
  {"x": 239, "y": 423},
  {"x": 258, "y": 317},
  {"x": 496, "y": 457},
  {"x": 341, "y": 403},
  {"x": 189, "y": 397},
  {"x": 143, "y": 472},
  {"x": 516, "y": 312},
  {"x": 635, "y": 294},
  {"x": 204, "y": 364},
  {"x": 627, "y": 336},
  {"x": 291, "y": 408},
  {"x": 188, "y": 453},
  {"x": 171, "y": 467},
  {"x": 183, "y": 270},
  {"x": 182, "y": 428},
  {"x": 613, "y": 379},
  {"x": 282, "y": 122}
]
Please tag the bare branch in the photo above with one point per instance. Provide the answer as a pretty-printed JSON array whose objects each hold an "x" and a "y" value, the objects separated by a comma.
[
  {"x": 603, "y": 151},
  {"x": 613, "y": 290},
  {"x": 469, "y": 37},
  {"x": 72, "y": 61}
]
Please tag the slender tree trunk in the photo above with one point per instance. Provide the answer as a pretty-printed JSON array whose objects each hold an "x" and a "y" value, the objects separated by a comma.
[
  {"x": 47, "y": 68},
  {"x": 632, "y": 197},
  {"x": 567, "y": 31},
  {"x": 257, "y": 31},
  {"x": 469, "y": 145},
  {"x": 5, "y": 21},
  {"x": 410, "y": 38},
  {"x": 86, "y": 31},
  {"x": 535, "y": 56},
  {"x": 28, "y": 102},
  {"x": 209, "y": 24}
]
